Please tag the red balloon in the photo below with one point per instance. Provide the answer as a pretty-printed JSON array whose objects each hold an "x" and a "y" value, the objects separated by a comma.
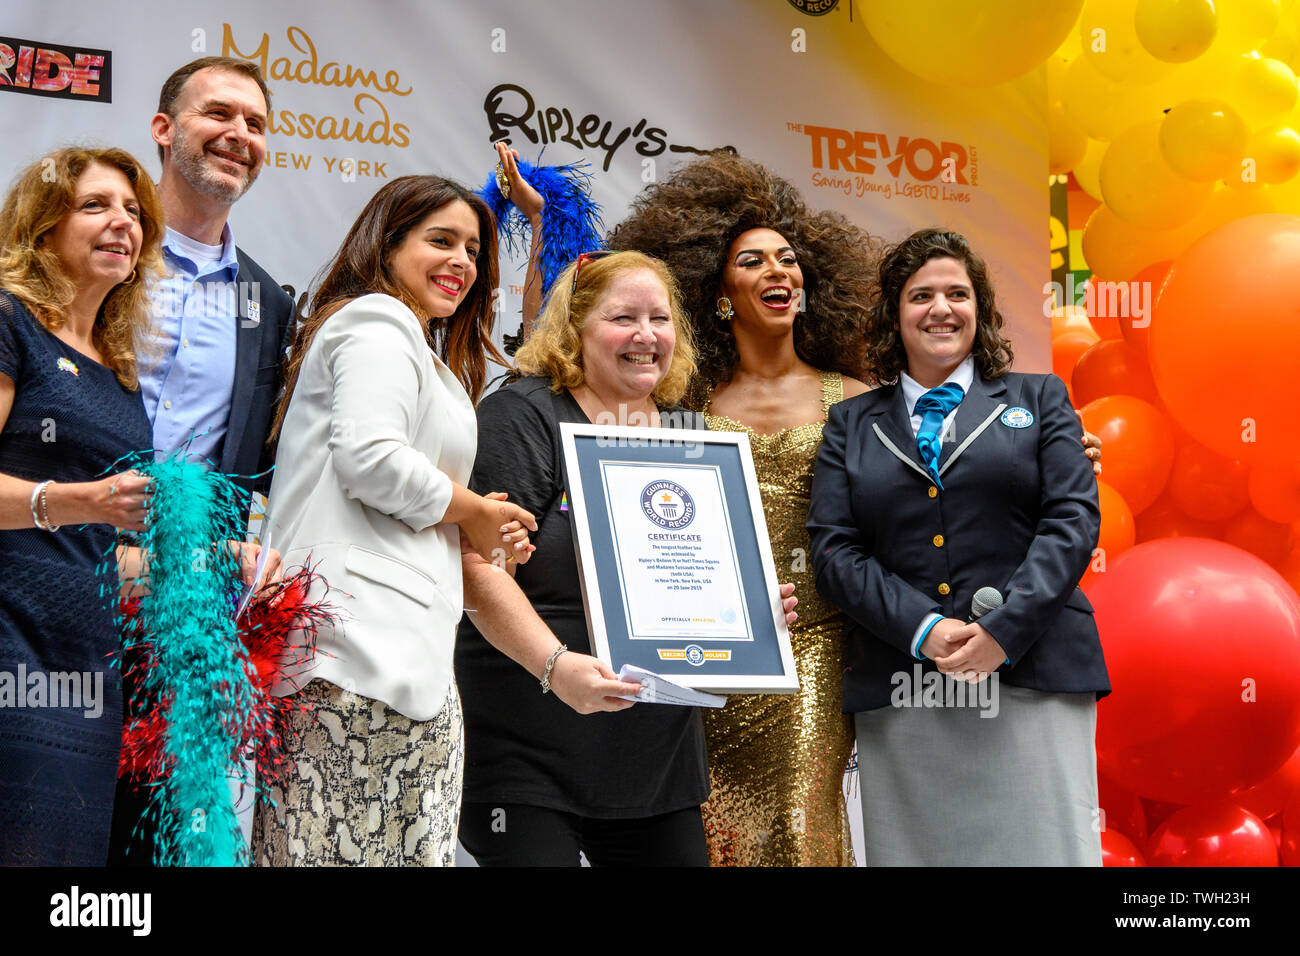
[
  {"x": 1157, "y": 812},
  {"x": 1269, "y": 797},
  {"x": 1066, "y": 349},
  {"x": 1207, "y": 486},
  {"x": 1220, "y": 834},
  {"x": 1220, "y": 340},
  {"x": 1202, "y": 642},
  {"x": 1137, "y": 446},
  {"x": 1105, "y": 304},
  {"x": 1119, "y": 850},
  {"x": 1135, "y": 326},
  {"x": 1118, "y": 531},
  {"x": 1123, "y": 810},
  {"x": 1291, "y": 833},
  {"x": 1164, "y": 519},
  {"x": 1275, "y": 492},
  {"x": 1267, "y": 540},
  {"x": 1112, "y": 367}
]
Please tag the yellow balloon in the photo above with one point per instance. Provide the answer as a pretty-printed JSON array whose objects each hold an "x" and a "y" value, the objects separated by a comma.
[
  {"x": 1245, "y": 24},
  {"x": 1117, "y": 250},
  {"x": 1203, "y": 140},
  {"x": 1262, "y": 90},
  {"x": 1066, "y": 142},
  {"x": 1175, "y": 30},
  {"x": 956, "y": 42},
  {"x": 1087, "y": 171},
  {"x": 1283, "y": 45},
  {"x": 1140, "y": 187},
  {"x": 1110, "y": 42},
  {"x": 1276, "y": 152},
  {"x": 1102, "y": 107}
]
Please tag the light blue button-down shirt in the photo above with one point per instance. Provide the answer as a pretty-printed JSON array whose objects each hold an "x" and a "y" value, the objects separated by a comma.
[{"x": 187, "y": 383}]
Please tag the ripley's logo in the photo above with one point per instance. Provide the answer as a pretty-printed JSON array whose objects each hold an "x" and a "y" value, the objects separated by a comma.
[
  {"x": 814, "y": 8},
  {"x": 49, "y": 69},
  {"x": 555, "y": 124},
  {"x": 667, "y": 504}
]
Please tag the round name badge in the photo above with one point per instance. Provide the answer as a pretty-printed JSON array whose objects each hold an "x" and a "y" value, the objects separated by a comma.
[{"x": 1017, "y": 417}]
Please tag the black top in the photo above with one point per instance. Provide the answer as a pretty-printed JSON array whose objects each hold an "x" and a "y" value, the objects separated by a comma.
[
  {"x": 525, "y": 747},
  {"x": 71, "y": 421}
]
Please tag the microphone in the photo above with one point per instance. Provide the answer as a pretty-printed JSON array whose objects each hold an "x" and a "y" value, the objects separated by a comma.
[{"x": 985, "y": 600}]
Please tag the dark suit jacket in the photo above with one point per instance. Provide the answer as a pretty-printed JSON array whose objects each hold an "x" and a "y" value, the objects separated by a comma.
[
  {"x": 1018, "y": 512},
  {"x": 264, "y": 334}
]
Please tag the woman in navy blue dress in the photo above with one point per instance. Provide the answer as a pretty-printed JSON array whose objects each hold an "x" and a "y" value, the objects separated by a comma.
[{"x": 79, "y": 239}]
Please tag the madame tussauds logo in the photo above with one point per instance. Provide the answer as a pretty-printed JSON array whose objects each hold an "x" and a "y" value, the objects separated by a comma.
[{"x": 667, "y": 504}]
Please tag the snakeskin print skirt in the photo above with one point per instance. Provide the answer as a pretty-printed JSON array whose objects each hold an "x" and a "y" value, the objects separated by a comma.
[{"x": 370, "y": 787}]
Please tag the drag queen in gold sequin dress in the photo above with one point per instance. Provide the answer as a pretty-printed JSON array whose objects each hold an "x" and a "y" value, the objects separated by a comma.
[{"x": 778, "y": 296}]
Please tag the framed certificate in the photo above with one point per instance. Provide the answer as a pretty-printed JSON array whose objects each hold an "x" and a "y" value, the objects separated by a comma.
[{"x": 677, "y": 573}]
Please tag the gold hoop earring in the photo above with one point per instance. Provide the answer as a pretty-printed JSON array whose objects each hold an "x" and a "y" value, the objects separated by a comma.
[{"x": 724, "y": 311}]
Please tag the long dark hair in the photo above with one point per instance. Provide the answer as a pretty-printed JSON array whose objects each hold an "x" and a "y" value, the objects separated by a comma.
[
  {"x": 886, "y": 357},
  {"x": 363, "y": 265}
]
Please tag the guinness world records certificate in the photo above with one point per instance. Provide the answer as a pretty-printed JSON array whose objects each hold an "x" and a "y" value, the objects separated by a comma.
[{"x": 676, "y": 566}]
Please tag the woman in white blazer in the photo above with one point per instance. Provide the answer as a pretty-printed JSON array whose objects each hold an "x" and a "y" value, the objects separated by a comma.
[{"x": 377, "y": 438}]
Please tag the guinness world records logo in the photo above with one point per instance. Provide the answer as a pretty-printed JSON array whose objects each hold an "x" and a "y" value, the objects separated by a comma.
[
  {"x": 814, "y": 8},
  {"x": 667, "y": 504}
]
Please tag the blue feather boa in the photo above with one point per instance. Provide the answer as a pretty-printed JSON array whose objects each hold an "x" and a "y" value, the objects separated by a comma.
[{"x": 571, "y": 222}]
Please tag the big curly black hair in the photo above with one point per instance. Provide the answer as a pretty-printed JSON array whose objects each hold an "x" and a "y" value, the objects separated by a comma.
[{"x": 690, "y": 220}]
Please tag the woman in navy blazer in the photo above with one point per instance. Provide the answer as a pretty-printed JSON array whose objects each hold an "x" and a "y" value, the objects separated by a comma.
[{"x": 975, "y": 739}]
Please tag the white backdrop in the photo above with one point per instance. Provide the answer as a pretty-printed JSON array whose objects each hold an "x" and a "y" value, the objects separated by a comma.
[{"x": 658, "y": 76}]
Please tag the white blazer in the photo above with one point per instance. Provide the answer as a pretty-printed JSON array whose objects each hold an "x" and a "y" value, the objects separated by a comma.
[{"x": 377, "y": 430}]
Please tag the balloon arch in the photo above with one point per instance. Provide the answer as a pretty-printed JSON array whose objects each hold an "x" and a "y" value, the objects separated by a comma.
[{"x": 1179, "y": 119}]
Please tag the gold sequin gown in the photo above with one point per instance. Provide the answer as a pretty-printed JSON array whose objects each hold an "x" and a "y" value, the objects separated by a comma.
[{"x": 777, "y": 761}]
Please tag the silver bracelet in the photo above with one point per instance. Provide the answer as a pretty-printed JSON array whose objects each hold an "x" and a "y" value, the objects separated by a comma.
[
  {"x": 550, "y": 665},
  {"x": 41, "y": 518}
]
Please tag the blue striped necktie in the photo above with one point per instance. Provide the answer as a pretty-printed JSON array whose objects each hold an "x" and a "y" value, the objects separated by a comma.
[{"x": 934, "y": 406}]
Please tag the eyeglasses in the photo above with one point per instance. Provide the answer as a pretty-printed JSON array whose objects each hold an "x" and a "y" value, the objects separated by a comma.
[{"x": 583, "y": 260}]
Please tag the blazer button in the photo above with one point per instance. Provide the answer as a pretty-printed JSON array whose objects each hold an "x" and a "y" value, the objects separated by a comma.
[
  {"x": 938, "y": 541},
  {"x": 933, "y": 492},
  {"x": 943, "y": 588}
]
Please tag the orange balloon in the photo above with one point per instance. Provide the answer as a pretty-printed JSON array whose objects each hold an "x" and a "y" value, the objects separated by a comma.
[
  {"x": 1119, "y": 850},
  {"x": 1164, "y": 519},
  {"x": 1105, "y": 303},
  {"x": 1206, "y": 485},
  {"x": 1134, "y": 327},
  {"x": 1219, "y": 343},
  {"x": 1070, "y": 318},
  {"x": 1275, "y": 491},
  {"x": 1112, "y": 367},
  {"x": 1068, "y": 346},
  {"x": 1118, "y": 532},
  {"x": 1269, "y": 541},
  {"x": 1137, "y": 445}
]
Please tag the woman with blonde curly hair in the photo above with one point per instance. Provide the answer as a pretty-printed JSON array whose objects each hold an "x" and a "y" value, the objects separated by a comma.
[
  {"x": 778, "y": 296},
  {"x": 80, "y": 238},
  {"x": 543, "y": 782}
]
